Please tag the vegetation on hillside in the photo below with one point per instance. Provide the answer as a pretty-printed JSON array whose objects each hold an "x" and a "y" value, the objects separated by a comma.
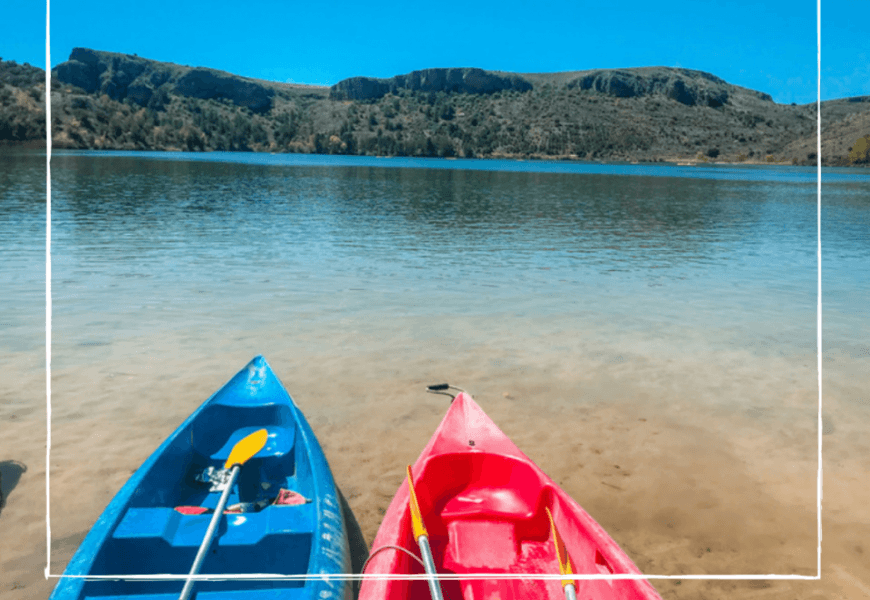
[
  {"x": 859, "y": 154},
  {"x": 632, "y": 115},
  {"x": 22, "y": 102}
]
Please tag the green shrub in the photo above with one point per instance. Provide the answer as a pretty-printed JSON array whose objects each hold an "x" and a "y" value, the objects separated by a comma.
[{"x": 860, "y": 152}]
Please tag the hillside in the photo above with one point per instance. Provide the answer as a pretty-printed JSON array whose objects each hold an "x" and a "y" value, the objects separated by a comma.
[
  {"x": 845, "y": 123},
  {"x": 104, "y": 100},
  {"x": 22, "y": 103}
]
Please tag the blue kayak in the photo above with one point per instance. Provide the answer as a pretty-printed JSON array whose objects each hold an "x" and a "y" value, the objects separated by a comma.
[{"x": 284, "y": 514}]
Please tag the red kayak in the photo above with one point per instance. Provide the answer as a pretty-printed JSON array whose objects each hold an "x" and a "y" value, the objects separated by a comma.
[{"x": 485, "y": 504}]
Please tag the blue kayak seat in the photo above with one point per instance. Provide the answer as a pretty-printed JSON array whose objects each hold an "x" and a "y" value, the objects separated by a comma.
[
  {"x": 147, "y": 522},
  {"x": 220, "y": 427},
  {"x": 238, "y": 529},
  {"x": 279, "y": 442}
]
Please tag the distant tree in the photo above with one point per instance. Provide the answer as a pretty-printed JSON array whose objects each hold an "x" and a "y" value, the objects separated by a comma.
[
  {"x": 860, "y": 152},
  {"x": 320, "y": 143},
  {"x": 288, "y": 127},
  {"x": 193, "y": 139},
  {"x": 159, "y": 99},
  {"x": 349, "y": 142},
  {"x": 335, "y": 145},
  {"x": 259, "y": 134},
  {"x": 446, "y": 112}
]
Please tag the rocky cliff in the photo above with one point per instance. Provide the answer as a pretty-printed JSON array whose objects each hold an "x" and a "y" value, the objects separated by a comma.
[
  {"x": 461, "y": 80},
  {"x": 688, "y": 87},
  {"x": 122, "y": 76},
  {"x": 692, "y": 88}
]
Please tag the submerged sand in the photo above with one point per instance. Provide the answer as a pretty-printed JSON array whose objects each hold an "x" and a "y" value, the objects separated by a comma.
[{"x": 696, "y": 463}]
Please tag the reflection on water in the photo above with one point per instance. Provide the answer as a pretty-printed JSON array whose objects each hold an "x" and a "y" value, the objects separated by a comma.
[
  {"x": 22, "y": 248},
  {"x": 485, "y": 223},
  {"x": 165, "y": 241}
]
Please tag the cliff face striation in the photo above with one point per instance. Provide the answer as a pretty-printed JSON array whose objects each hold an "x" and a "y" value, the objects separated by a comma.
[
  {"x": 461, "y": 81},
  {"x": 121, "y": 76},
  {"x": 688, "y": 87},
  {"x": 691, "y": 88}
]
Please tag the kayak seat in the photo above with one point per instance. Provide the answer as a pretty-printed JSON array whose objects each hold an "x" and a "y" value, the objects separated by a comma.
[
  {"x": 162, "y": 540},
  {"x": 279, "y": 443},
  {"x": 480, "y": 545},
  {"x": 484, "y": 486},
  {"x": 493, "y": 510},
  {"x": 214, "y": 433},
  {"x": 147, "y": 522},
  {"x": 181, "y": 530},
  {"x": 488, "y": 503}
]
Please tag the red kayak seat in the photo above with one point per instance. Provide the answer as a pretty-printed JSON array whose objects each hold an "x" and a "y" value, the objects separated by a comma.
[
  {"x": 483, "y": 486},
  {"x": 493, "y": 503}
]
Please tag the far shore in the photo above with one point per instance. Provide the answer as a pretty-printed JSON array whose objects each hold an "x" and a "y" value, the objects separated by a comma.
[{"x": 666, "y": 160}]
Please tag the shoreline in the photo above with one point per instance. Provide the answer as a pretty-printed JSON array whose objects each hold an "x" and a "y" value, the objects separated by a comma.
[{"x": 569, "y": 159}]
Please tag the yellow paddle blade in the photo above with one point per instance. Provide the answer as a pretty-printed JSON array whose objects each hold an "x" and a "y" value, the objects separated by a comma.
[
  {"x": 247, "y": 447},
  {"x": 416, "y": 517},
  {"x": 561, "y": 551}
]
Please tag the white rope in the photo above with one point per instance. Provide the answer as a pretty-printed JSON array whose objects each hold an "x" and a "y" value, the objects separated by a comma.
[{"x": 405, "y": 550}]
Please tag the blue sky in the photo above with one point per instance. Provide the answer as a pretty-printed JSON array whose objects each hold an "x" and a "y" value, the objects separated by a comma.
[{"x": 767, "y": 46}]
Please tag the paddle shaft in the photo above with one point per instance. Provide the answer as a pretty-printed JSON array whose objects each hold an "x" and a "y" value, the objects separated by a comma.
[
  {"x": 209, "y": 534},
  {"x": 570, "y": 592},
  {"x": 434, "y": 586}
]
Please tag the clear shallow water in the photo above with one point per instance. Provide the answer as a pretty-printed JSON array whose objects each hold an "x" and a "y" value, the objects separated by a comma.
[
  {"x": 212, "y": 245},
  {"x": 683, "y": 296},
  {"x": 22, "y": 247}
]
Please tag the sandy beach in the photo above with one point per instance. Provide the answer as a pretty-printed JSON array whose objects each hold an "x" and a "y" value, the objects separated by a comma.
[{"x": 685, "y": 482}]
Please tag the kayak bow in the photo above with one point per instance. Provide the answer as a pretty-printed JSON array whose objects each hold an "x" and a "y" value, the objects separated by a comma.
[
  {"x": 284, "y": 514},
  {"x": 486, "y": 508}
]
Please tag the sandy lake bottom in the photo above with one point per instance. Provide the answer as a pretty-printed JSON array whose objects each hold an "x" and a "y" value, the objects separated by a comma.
[{"x": 650, "y": 342}]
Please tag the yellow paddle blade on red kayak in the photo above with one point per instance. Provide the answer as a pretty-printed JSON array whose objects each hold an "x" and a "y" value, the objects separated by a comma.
[
  {"x": 416, "y": 516},
  {"x": 561, "y": 551},
  {"x": 247, "y": 447}
]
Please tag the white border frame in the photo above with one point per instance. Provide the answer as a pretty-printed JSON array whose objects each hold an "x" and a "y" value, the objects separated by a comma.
[{"x": 349, "y": 576}]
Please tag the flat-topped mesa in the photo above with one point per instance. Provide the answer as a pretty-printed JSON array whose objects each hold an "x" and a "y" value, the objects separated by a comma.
[
  {"x": 122, "y": 76},
  {"x": 457, "y": 80},
  {"x": 692, "y": 88}
]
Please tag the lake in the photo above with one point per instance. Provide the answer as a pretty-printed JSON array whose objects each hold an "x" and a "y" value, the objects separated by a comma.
[
  {"x": 573, "y": 300},
  {"x": 718, "y": 257}
]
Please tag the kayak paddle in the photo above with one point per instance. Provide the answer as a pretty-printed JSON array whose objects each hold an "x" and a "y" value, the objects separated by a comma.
[
  {"x": 422, "y": 537},
  {"x": 564, "y": 560},
  {"x": 244, "y": 449}
]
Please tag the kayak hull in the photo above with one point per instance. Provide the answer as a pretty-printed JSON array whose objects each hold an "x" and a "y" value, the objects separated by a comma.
[
  {"x": 151, "y": 528},
  {"x": 483, "y": 503}
]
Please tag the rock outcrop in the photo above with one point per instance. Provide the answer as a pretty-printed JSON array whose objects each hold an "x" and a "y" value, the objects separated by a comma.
[
  {"x": 207, "y": 83},
  {"x": 692, "y": 88},
  {"x": 121, "y": 76},
  {"x": 458, "y": 80}
]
